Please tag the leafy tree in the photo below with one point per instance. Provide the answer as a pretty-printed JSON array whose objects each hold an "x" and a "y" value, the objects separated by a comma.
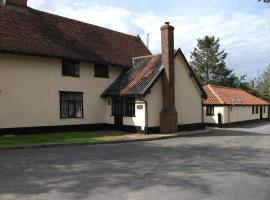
[
  {"x": 208, "y": 62},
  {"x": 263, "y": 84},
  {"x": 265, "y": 1}
]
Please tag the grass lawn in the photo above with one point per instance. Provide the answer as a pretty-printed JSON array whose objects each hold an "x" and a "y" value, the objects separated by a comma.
[{"x": 53, "y": 138}]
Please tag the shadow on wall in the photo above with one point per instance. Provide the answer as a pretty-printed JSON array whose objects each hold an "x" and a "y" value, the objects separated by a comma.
[{"x": 84, "y": 170}]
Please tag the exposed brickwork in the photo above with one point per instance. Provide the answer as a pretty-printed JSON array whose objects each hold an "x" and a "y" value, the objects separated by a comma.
[
  {"x": 168, "y": 114},
  {"x": 22, "y": 3}
]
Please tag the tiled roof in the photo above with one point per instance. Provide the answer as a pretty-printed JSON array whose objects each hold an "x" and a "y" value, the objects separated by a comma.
[
  {"x": 138, "y": 79},
  {"x": 24, "y": 30},
  {"x": 219, "y": 95}
]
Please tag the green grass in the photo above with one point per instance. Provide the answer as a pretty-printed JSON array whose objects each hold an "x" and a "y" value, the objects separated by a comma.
[{"x": 52, "y": 138}]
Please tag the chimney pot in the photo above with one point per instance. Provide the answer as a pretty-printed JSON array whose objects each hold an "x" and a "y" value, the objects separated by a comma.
[{"x": 22, "y": 3}]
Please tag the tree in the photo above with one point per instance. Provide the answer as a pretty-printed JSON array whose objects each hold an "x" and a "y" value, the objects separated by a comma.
[
  {"x": 208, "y": 62},
  {"x": 263, "y": 84},
  {"x": 265, "y": 1}
]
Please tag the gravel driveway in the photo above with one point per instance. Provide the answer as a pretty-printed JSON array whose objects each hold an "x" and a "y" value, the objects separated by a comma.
[{"x": 224, "y": 164}]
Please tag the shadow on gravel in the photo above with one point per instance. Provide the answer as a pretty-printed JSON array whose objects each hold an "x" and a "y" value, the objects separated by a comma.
[{"x": 84, "y": 170}]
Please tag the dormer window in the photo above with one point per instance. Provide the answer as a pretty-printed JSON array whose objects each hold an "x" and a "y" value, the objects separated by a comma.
[
  {"x": 70, "y": 68},
  {"x": 101, "y": 71}
]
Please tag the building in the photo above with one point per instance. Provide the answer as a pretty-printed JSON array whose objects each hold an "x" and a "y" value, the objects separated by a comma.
[
  {"x": 227, "y": 106},
  {"x": 58, "y": 74}
]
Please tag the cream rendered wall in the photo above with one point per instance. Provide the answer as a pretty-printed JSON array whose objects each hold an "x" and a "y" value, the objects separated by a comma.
[
  {"x": 265, "y": 115},
  {"x": 214, "y": 118},
  {"x": 138, "y": 120},
  {"x": 154, "y": 104},
  {"x": 233, "y": 114},
  {"x": 241, "y": 113},
  {"x": 187, "y": 95},
  {"x": 30, "y": 91}
]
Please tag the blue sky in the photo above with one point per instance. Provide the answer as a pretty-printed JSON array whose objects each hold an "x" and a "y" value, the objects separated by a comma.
[{"x": 243, "y": 26}]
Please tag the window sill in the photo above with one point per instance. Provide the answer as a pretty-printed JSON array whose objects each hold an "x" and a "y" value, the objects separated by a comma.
[
  {"x": 71, "y": 76},
  {"x": 71, "y": 117},
  {"x": 101, "y": 77}
]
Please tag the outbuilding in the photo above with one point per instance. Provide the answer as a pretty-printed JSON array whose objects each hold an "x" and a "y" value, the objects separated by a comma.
[{"x": 226, "y": 106}]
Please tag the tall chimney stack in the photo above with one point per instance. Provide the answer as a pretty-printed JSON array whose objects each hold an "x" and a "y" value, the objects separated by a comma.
[
  {"x": 22, "y": 3},
  {"x": 168, "y": 114}
]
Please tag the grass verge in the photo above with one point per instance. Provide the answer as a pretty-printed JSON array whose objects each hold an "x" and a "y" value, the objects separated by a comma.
[{"x": 53, "y": 138}]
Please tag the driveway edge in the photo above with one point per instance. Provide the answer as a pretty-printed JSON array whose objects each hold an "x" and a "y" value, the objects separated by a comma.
[{"x": 171, "y": 136}]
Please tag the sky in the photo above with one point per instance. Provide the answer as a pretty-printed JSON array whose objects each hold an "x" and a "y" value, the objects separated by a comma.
[{"x": 243, "y": 26}]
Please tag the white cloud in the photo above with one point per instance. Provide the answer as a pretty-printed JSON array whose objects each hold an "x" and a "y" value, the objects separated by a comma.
[{"x": 246, "y": 37}]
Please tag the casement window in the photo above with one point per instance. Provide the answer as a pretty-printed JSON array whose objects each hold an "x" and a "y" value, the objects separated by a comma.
[
  {"x": 71, "y": 104},
  {"x": 123, "y": 106},
  {"x": 70, "y": 68},
  {"x": 253, "y": 109},
  {"x": 101, "y": 71},
  {"x": 210, "y": 110},
  {"x": 257, "y": 109}
]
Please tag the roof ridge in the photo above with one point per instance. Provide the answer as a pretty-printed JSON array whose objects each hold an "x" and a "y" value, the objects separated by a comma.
[
  {"x": 220, "y": 86},
  {"x": 147, "y": 56},
  {"x": 216, "y": 95},
  {"x": 78, "y": 21}
]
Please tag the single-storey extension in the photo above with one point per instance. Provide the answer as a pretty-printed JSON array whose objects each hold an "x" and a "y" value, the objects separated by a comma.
[{"x": 226, "y": 106}]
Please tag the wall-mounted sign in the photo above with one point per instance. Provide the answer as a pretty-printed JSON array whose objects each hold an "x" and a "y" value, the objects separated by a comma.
[{"x": 139, "y": 107}]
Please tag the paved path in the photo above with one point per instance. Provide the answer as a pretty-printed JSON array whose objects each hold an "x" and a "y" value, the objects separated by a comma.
[{"x": 228, "y": 164}]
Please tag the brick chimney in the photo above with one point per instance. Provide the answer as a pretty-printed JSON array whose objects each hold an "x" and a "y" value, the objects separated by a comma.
[
  {"x": 168, "y": 114},
  {"x": 22, "y": 3}
]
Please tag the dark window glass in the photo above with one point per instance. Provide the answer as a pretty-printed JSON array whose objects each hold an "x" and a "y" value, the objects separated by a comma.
[
  {"x": 210, "y": 110},
  {"x": 257, "y": 109},
  {"x": 71, "y": 105},
  {"x": 253, "y": 109},
  {"x": 123, "y": 106},
  {"x": 70, "y": 68},
  {"x": 101, "y": 71}
]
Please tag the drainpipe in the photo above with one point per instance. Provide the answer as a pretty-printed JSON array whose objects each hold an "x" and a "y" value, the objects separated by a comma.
[
  {"x": 146, "y": 116},
  {"x": 202, "y": 113}
]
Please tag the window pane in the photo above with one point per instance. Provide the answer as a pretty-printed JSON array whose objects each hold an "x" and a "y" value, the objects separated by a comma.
[
  {"x": 64, "y": 109},
  {"x": 70, "y": 68},
  {"x": 101, "y": 71},
  {"x": 71, "y": 109},
  {"x": 79, "y": 109}
]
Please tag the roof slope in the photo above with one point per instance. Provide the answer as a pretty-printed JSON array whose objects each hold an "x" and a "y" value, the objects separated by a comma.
[
  {"x": 24, "y": 30},
  {"x": 137, "y": 80},
  {"x": 140, "y": 78},
  {"x": 219, "y": 95}
]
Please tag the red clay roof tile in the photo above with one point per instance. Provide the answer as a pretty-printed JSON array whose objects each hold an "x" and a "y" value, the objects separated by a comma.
[
  {"x": 219, "y": 95},
  {"x": 24, "y": 30}
]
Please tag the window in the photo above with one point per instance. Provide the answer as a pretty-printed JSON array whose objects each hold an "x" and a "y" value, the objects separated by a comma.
[
  {"x": 253, "y": 109},
  {"x": 123, "y": 106},
  {"x": 210, "y": 110},
  {"x": 70, "y": 68},
  {"x": 71, "y": 104},
  {"x": 101, "y": 71},
  {"x": 257, "y": 109}
]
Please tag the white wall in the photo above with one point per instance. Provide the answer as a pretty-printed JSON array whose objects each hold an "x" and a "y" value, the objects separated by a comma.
[
  {"x": 233, "y": 114},
  {"x": 154, "y": 103},
  {"x": 30, "y": 91},
  {"x": 214, "y": 118},
  {"x": 187, "y": 95},
  {"x": 137, "y": 120}
]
